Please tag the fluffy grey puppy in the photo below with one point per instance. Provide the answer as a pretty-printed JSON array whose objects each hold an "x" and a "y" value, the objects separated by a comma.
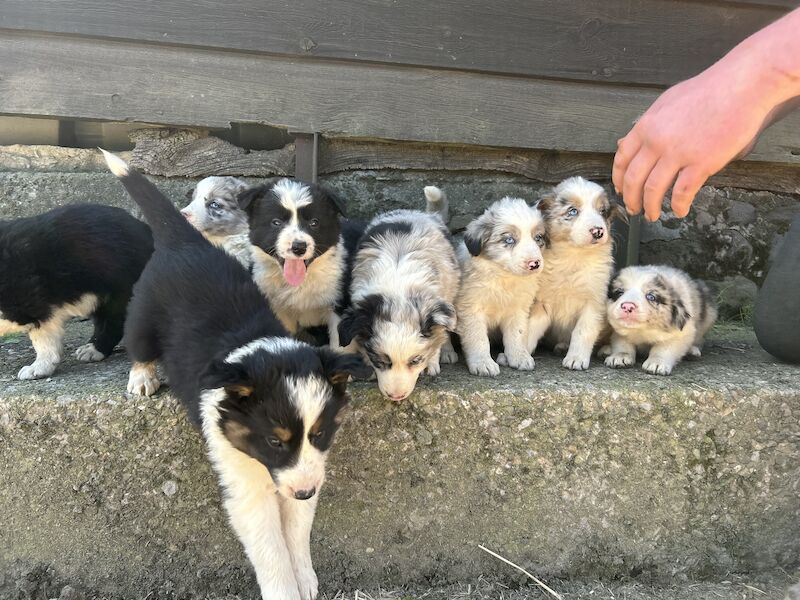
[
  {"x": 214, "y": 211},
  {"x": 660, "y": 310}
]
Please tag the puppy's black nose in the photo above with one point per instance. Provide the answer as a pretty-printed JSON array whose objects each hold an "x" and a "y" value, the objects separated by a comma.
[
  {"x": 597, "y": 232},
  {"x": 299, "y": 248},
  {"x": 305, "y": 494}
]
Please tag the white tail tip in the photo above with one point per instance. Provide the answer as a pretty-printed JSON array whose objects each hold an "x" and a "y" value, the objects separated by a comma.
[
  {"x": 432, "y": 193},
  {"x": 117, "y": 166}
]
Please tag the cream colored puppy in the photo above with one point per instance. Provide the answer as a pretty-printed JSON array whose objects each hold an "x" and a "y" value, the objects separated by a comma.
[
  {"x": 571, "y": 300},
  {"x": 501, "y": 258},
  {"x": 661, "y": 310}
]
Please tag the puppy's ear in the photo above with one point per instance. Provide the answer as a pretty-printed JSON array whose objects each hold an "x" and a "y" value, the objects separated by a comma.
[
  {"x": 229, "y": 375},
  {"x": 546, "y": 202},
  {"x": 338, "y": 368},
  {"x": 442, "y": 314},
  {"x": 337, "y": 201},
  {"x": 357, "y": 320},
  {"x": 248, "y": 197},
  {"x": 477, "y": 234},
  {"x": 189, "y": 193},
  {"x": 680, "y": 316},
  {"x": 617, "y": 212}
]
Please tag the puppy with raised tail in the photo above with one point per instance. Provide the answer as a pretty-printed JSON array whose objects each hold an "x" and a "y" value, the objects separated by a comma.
[
  {"x": 267, "y": 405},
  {"x": 660, "y": 310},
  {"x": 404, "y": 282},
  {"x": 215, "y": 212},
  {"x": 301, "y": 251},
  {"x": 501, "y": 259},
  {"x": 571, "y": 300}
]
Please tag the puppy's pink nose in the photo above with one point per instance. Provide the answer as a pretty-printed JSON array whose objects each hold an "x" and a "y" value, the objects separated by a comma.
[
  {"x": 597, "y": 232},
  {"x": 533, "y": 265},
  {"x": 396, "y": 397},
  {"x": 187, "y": 214},
  {"x": 628, "y": 308}
]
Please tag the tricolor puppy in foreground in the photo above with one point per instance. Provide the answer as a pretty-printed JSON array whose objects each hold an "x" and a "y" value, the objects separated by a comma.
[
  {"x": 660, "y": 310},
  {"x": 267, "y": 405},
  {"x": 404, "y": 282},
  {"x": 73, "y": 261},
  {"x": 501, "y": 259}
]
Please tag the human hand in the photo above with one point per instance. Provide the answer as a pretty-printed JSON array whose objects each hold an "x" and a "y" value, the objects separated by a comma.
[{"x": 689, "y": 133}]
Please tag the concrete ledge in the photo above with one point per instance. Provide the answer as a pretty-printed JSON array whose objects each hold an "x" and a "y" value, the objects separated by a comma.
[{"x": 602, "y": 474}]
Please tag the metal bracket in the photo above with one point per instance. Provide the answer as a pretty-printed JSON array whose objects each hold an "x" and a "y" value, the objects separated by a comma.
[{"x": 306, "y": 155}]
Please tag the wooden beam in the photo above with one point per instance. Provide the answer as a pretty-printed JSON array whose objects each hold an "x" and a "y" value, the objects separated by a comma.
[
  {"x": 620, "y": 41},
  {"x": 96, "y": 79}
]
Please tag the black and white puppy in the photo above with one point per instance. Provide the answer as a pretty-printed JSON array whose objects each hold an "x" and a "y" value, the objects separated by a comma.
[
  {"x": 571, "y": 300},
  {"x": 299, "y": 251},
  {"x": 501, "y": 259},
  {"x": 214, "y": 211},
  {"x": 660, "y": 310},
  {"x": 404, "y": 282},
  {"x": 267, "y": 405},
  {"x": 73, "y": 261}
]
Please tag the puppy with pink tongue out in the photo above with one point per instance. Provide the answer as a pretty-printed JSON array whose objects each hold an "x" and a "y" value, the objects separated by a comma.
[{"x": 300, "y": 247}]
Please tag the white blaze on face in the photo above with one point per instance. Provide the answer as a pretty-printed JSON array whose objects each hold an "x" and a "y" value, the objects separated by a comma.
[
  {"x": 309, "y": 396},
  {"x": 293, "y": 196},
  {"x": 402, "y": 343}
]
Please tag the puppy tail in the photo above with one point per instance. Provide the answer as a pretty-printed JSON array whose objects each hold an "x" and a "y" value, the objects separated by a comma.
[
  {"x": 167, "y": 224},
  {"x": 436, "y": 202}
]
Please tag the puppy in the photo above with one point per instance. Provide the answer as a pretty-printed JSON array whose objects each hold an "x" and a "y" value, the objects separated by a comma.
[
  {"x": 578, "y": 264},
  {"x": 404, "y": 282},
  {"x": 73, "y": 261},
  {"x": 501, "y": 258},
  {"x": 267, "y": 405},
  {"x": 214, "y": 211},
  {"x": 661, "y": 310},
  {"x": 300, "y": 251}
]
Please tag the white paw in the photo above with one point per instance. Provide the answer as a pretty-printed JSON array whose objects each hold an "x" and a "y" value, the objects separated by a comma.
[
  {"x": 575, "y": 361},
  {"x": 88, "y": 353},
  {"x": 620, "y": 360},
  {"x": 448, "y": 356},
  {"x": 561, "y": 349},
  {"x": 284, "y": 592},
  {"x": 694, "y": 352},
  {"x": 143, "y": 382},
  {"x": 433, "y": 368},
  {"x": 656, "y": 367},
  {"x": 37, "y": 370},
  {"x": 604, "y": 351},
  {"x": 523, "y": 362},
  {"x": 307, "y": 583},
  {"x": 484, "y": 368}
]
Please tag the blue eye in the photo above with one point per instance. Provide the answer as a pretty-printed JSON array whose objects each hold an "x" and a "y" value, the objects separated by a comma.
[
  {"x": 509, "y": 240},
  {"x": 214, "y": 205},
  {"x": 572, "y": 212},
  {"x": 274, "y": 442},
  {"x": 539, "y": 239},
  {"x": 651, "y": 297}
]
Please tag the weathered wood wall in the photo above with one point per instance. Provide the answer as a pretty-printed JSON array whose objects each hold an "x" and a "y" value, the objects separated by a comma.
[{"x": 562, "y": 75}]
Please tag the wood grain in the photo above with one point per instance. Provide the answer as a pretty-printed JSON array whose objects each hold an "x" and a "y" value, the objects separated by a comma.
[
  {"x": 653, "y": 42},
  {"x": 95, "y": 79}
]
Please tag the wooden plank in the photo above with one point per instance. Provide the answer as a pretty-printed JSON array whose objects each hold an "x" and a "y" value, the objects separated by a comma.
[
  {"x": 654, "y": 42},
  {"x": 80, "y": 78}
]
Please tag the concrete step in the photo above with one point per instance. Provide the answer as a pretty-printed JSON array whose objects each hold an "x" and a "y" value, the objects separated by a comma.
[{"x": 604, "y": 475}]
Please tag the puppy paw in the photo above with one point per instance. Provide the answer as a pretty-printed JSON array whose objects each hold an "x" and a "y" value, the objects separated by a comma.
[
  {"x": 604, "y": 351},
  {"x": 448, "y": 356},
  {"x": 502, "y": 360},
  {"x": 484, "y": 368},
  {"x": 561, "y": 349},
  {"x": 523, "y": 362},
  {"x": 620, "y": 360},
  {"x": 37, "y": 370},
  {"x": 88, "y": 353},
  {"x": 433, "y": 368},
  {"x": 655, "y": 366},
  {"x": 694, "y": 353},
  {"x": 575, "y": 362},
  {"x": 307, "y": 583},
  {"x": 143, "y": 381}
]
